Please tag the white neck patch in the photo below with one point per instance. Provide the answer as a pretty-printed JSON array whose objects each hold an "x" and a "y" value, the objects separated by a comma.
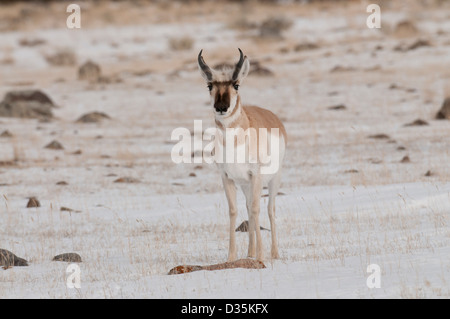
[{"x": 227, "y": 120}]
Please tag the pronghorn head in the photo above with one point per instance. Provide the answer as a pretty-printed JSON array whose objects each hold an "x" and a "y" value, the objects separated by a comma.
[{"x": 223, "y": 84}]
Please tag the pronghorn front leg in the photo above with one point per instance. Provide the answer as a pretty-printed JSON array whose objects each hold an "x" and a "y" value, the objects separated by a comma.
[
  {"x": 230, "y": 191},
  {"x": 253, "y": 223}
]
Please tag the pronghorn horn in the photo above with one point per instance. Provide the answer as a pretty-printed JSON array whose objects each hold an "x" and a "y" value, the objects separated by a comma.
[
  {"x": 205, "y": 68},
  {"x": 238, "y": 67}
]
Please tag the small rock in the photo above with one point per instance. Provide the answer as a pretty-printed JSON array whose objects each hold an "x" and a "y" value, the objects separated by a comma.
[
  {"x": 379, "y": 47},
  {"x": 6, "y": 134},
  {"x": 127, "y": 180},
  {"x": 62, "y": 183},
  {"x": 8, "y": 163},
  {"x": 31, "y": 42},
  {"x": 405, "y": 159},
  {"x": 418, "y": 122},
  {"x": 444, "y": 112},
  {"x": 33, "y": 202},
  {"x": 405, "y": 28},
  {"x": 429, "y": 173},
  {"x": 243, "y": 227},
  {"x": 89, "y": 71},
  {"x": 54, "y": 145},
  {"x": 375, "y": 160},
  {"x": 93, "y": 117},
  {"x": 177, "y": 184},
  {"x": 28, "y": 96},
  {"x": 379, "y": 136},
  {"x": 340, "y": 68},
  {"x": 8, "y": 259},
  {"x": 27, "y": 104},
  {"x": 192, "y": 175},
  {"x": 418, "y": 44},
  {"x": 393, "y": 86},
  {"x": 337, "y": 107},
  {"x": 278, "y": 194},
  {"x": 70, "y": 210},
  {"x": 415, "y": 45},
  {"x": 68, "y": 257}
]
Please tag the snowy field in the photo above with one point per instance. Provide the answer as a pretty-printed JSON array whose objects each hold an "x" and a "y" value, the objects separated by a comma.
[{"x": 350, "y": 198}]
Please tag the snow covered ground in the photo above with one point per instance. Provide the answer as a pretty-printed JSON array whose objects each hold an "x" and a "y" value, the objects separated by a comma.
[
  {"x": 328, "y": 237},
  {"x": 349, "y": 200}
]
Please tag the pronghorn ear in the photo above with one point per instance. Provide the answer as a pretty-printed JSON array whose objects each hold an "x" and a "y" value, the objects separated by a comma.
[
  {"x": 205, "y": 70},
  {"x": 242, "y": 67},
  {"x": 244, "y": 70},
  {"x": 206, "y": 75}
]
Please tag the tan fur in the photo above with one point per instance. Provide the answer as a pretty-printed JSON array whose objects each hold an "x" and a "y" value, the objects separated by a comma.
[
  {"x": 257, "y": 117},
  {"x": 254, "y": 117}
]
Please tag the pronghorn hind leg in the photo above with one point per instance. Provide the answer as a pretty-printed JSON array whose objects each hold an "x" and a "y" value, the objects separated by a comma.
[
  {"x": 230, "y": 191},
  {"x": 256, "y": 201},
  {"x": 274, "y": 185},
  {"x": 251, "y": 224}
]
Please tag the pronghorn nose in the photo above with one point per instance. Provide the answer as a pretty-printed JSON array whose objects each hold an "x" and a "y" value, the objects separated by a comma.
[
  {"x": 222, "y": 102},
  {"x": 221, "y": 107}
]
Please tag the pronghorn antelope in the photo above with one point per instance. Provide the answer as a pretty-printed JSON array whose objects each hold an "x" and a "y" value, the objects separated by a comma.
[{"x": 231, "y": 114}]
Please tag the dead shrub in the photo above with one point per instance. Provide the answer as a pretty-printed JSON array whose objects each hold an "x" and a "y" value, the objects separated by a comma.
[
  {"x": 181, "y": 43},
  {"x": 62, "y": 58},
  {"x": 273, "y": 27},
  {"x": 405, "y": 29}
]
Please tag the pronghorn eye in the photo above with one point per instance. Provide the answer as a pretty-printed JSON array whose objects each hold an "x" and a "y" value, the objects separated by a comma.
[
  {"x": 236, "y": 86},
  {"x": 209, "y": 87}
]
